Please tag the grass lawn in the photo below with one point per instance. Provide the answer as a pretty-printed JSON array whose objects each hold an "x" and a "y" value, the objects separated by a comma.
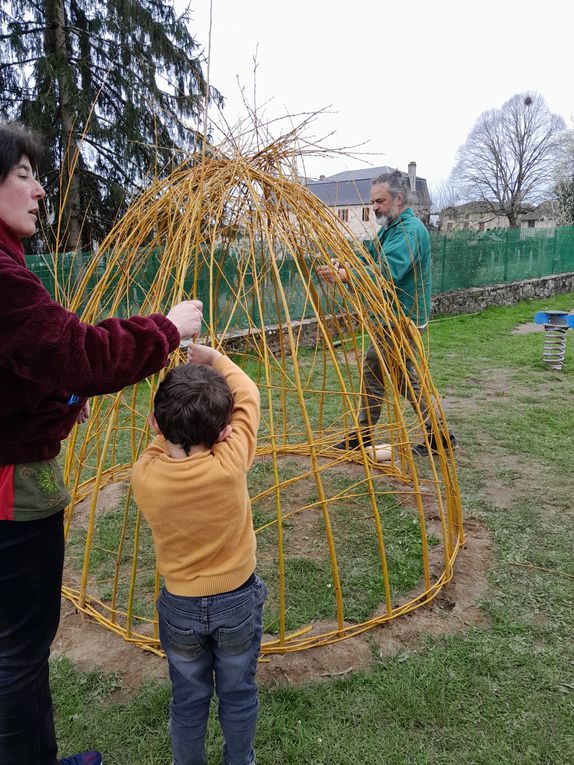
[{"x": 501, "y": 693}]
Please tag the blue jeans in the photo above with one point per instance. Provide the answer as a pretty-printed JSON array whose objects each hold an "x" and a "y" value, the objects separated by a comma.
[
  {"x": 205, "y": 638},
  {"x": 31, "y": 561}
]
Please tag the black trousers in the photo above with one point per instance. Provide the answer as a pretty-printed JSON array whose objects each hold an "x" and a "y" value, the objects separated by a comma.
[{"x": 31, "y": 564}]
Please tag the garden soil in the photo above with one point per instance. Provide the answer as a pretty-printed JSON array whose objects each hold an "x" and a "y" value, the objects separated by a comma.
[{"x": 90, "y": 647}]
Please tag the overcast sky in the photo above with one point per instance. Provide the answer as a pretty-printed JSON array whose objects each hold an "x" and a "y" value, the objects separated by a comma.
[{"x": 409, "y": 79}]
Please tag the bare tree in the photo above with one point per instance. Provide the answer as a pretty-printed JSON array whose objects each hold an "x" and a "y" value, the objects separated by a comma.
[
  {"x": 509, "y": 158},
  {"x": 444, "y": 199}
]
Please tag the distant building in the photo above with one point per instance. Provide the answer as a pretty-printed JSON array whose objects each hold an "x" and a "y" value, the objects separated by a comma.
[
  {"x": 479, "y": 216},
  {"x": 349, "y": 194},
  {"x": 543, "y": 216}
]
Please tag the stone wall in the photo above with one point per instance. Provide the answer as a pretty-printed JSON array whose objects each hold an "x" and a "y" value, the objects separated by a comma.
[
  {"x": 476, "y": 299},
  {"x": 306, "y": 334},
  {"x": 471, "y": 300}
]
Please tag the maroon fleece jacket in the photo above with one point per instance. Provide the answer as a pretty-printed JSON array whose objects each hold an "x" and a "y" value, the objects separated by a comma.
[{"x": 47, "y": 354}]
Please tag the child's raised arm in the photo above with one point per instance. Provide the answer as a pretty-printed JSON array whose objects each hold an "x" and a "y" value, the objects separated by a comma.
[
  {"x": 245, "y": 416},
  {"x": 202, "y": 354}
]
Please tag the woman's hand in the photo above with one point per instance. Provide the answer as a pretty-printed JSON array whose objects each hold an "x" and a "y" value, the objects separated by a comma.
[
  {"x": 84, "y": 413},
  {"x": 187, "y": 317}
]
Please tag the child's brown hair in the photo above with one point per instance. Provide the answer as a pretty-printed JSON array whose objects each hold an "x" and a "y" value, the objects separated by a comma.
[{"x": 193, "y": 405}]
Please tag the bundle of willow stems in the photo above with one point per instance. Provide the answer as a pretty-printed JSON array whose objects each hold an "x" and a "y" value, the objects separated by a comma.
[{"x": 225, "y": 226}]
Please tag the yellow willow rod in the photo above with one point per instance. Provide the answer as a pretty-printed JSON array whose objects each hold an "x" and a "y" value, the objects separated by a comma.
[
  {"x": 278, "y": 510},
  {"x": 417, "y": 494},
  {"x": 446, "y": 521},
  {"x": 330, "y": 637},
  {"x": 378, "y": 528},
  {"x": 326, "y": 518},
  {"x": 134, "y": 567},
  {"x": 92, "y": 513},
  {"x": 420, "y": 508},
  {"x": 120, "y": 549}
]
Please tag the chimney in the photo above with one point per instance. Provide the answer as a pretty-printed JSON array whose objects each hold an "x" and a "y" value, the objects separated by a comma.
[
  {"x": 321, "y": 177},
  {"x": 413, "y": 176}
]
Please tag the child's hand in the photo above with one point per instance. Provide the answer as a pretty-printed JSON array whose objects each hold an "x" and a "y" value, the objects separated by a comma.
[{"x": 202, "y": 354}]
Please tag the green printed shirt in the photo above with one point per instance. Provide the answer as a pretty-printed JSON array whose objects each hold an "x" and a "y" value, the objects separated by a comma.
[{"x": 32, "y": 490}]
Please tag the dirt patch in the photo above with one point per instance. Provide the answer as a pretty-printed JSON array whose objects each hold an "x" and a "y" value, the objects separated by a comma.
[
  {"x": 456, "y": 607},
  {"x": 527, "y": 328},
  {"x": 515, "y": 484},
  {"x": 89, "y": 646},
  {"x": 493, "y": 387},
  {"x": 109, "y": 497},
  {"x": 311, "y": 665}
]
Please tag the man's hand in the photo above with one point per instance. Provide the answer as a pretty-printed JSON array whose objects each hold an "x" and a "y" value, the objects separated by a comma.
[
  {"x": 187, "y": 317},
  {"x": 333, "y": 273},
  {"x": 202, "y": 354},
  {"x": 84, "y": 413}
]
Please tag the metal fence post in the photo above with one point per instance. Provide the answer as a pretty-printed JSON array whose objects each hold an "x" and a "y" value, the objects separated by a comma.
[
  {"x": 505, "y": 277},
  {"x": 555, "y": 253},
  {"x": 443, "y": 248}
]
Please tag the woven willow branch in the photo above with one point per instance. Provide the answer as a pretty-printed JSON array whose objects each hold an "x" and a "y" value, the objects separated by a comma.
[{"x": 226, "y": 227}]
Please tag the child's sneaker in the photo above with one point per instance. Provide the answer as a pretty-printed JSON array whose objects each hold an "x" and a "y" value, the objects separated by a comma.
[{"x": 84, "y": 758}]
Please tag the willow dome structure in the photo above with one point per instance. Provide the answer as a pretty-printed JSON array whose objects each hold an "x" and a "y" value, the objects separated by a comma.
[{"x": 345, "y": 542}]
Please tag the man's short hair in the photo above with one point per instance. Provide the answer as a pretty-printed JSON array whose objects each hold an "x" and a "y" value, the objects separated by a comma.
[
  {"x": 15, "y": 142},
  {"x": 396, "y": 184},
  {"x": 193, "y": 405}
]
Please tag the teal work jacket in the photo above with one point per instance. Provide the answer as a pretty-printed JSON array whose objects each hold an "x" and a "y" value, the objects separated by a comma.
[{"x": 402, "y": 251}]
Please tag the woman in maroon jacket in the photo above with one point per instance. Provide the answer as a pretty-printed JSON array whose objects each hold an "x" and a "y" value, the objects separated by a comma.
[{"x": 50, "y": 364}]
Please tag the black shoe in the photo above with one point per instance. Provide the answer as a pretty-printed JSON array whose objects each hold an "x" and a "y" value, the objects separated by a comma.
[
  {"x": 421, "y": 450},
  {"x": 352, "y": 441}
]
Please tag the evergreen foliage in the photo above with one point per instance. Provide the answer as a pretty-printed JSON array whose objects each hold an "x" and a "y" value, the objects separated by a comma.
[
  {"x": 114, "y": 86},
  {"x": 565, "y": 195},
  {"x": 565, "y": 183}
]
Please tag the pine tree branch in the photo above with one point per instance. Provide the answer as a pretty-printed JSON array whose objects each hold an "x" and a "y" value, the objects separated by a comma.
[
  {"x": 22, "y": 32},
  {"x": 10, "y": 64}
]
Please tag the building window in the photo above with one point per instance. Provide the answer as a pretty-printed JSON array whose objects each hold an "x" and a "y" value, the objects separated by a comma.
[
  {"x": 343, "y": 215},
  {"x": 531, "y": 223},
  {"x": 366, "y": 214}
]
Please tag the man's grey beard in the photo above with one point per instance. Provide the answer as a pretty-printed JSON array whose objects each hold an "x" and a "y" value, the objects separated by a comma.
[{"x": 385, "y": 220}]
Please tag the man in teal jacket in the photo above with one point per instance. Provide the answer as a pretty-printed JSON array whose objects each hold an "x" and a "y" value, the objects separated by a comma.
[
  {"x": 402, "y": 252},
  {"x": 401, "y": 248}
]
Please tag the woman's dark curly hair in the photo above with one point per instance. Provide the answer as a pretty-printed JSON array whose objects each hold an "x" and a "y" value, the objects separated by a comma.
[{"x": 17, "y": 141}]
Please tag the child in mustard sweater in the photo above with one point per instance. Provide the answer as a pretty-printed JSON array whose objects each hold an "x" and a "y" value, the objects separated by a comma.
[{"x": 191, "y": 486}]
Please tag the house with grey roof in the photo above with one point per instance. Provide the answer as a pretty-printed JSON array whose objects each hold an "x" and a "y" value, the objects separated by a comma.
[
  {"x": 349, "y": 195},
  {"x": 484, "y": 216},
  {"x": 543, "y": 215}
]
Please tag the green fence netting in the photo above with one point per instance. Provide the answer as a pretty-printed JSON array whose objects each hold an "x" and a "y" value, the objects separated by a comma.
[
  {"x": 62, "y": 279},
  {"x": 460, "y": 260},
  {"x": 474, "y": 259}
]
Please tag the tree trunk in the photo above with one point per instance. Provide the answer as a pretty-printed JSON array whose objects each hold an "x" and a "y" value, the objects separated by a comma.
[{"x": 70, "y": 199}]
